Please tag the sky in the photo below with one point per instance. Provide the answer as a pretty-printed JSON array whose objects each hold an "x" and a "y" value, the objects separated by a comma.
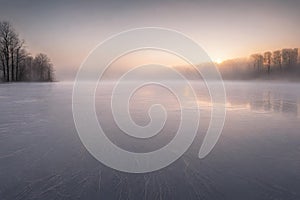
[{"x": 68, "y": 30}]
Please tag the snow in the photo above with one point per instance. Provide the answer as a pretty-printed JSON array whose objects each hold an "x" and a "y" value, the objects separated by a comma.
[{"x": 256, "y": 157}]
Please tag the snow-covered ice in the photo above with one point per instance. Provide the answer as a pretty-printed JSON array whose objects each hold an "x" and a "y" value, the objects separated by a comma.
[{"x": 256, "y": 157}]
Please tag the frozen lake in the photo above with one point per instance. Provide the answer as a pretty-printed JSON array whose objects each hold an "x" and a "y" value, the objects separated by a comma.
[{"x": 256, "y": 157}]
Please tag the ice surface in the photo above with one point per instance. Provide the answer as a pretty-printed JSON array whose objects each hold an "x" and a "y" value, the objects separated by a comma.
[{"x": 257, "y": 156}]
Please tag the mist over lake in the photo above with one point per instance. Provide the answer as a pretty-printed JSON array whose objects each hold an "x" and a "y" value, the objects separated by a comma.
[
  {"x": 256, "y": 157},
  {"x": 149, "y": 100}
]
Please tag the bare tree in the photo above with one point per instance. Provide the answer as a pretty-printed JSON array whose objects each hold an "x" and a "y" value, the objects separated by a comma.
[
  {"x": 14, "y": 45},
  {"x": 16, "y": 63},
  {"x": 21, "y": 65},
  {"x": 267, "y": 60},
  {"x": 2, "y": 63},
  {"x": 26, "y": 68},
  {"x": 43, "y": 68},
  {"x": 289, "y": 57},
  {"x": 6, "y": 34},
  {"x": 277, "y": 59},
  {"x": 257, "y": 61},
  {"x": 294, "y": 56},
  {"x": 20, "y": 55},
  {"x": 10, "y": 45}
]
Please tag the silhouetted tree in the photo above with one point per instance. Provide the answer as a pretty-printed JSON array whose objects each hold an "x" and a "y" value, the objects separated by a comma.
[
  {"x": 43, "y": 68},
  {"x": 22, "y": 72},
  {"x": 16, "y": 63},
  {"x": 289, "y": 57},
  {"x": 20, "y": 55},
  {"x": 267, "y": 60},
  {"x": 2, "y": 65},
  {"x": 257, "y": 61},
  {"x": 26, "y": 71},
  {"x": 277, "y": 59},
  {"x": 6, "y": 37}
]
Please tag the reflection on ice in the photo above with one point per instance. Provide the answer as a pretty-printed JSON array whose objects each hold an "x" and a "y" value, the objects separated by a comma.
[
  {"x": 270, "y": 103},
  {"x": 267, "y": 99},
  {"x": 256, "y": 97},
  {"x": 267, "y": 104}
]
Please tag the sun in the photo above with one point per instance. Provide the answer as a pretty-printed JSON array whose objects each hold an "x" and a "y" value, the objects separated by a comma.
[{"x": 218, "y": 61}]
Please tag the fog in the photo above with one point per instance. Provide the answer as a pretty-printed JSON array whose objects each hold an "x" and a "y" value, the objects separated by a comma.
[{"x": 68, "y": 30}]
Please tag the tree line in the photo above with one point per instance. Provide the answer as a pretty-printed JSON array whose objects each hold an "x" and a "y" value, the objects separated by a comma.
[
  {"x": 280, "y": 60},
  {"x": 16, "y": 63},
  {"x": 279, "y": 64}
]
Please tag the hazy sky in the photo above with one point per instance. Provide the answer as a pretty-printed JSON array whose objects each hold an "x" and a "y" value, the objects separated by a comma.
[{"x": 68, "y": 30}]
